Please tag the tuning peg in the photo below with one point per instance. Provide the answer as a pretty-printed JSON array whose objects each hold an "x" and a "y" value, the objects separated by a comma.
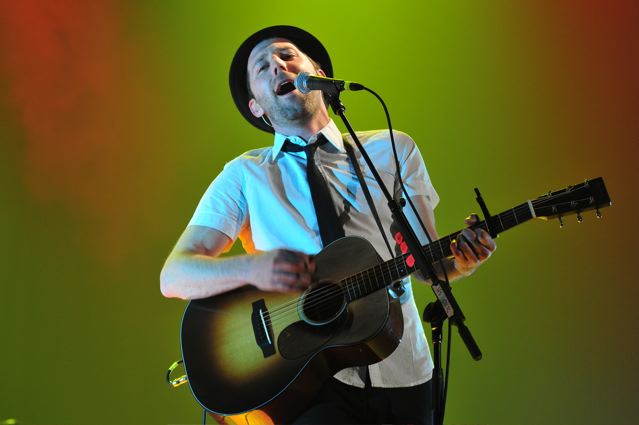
[
  {"x": 597, "y": 213},
  {"x": 561, "y": 221},
  {"x": 579, "y": 218}
]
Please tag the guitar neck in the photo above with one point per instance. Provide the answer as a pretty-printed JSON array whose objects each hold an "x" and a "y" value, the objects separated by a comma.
[{"x": 384, "y": 274}]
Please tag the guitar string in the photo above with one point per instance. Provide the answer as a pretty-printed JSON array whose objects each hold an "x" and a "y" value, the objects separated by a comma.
[
  {"x": 277, "y": 318},
  {"x": 281, "y": 312},
  {"x": 317, "y": 297},
  {"x": 321, "y": 295},
  {"x": 435, "y": 243}
]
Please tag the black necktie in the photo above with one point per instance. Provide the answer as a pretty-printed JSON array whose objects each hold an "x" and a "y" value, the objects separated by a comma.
[{"x": 329, "y": 226}]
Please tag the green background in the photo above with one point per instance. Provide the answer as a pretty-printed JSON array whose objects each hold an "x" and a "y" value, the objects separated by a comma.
[{"x": 115, "y": 116}]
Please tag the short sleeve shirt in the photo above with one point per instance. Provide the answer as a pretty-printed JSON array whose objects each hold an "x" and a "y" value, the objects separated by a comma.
[{"x": 263, "y": 198}]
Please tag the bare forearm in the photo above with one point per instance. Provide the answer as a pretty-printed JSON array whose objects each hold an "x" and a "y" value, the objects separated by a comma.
[{"x": 193, "y": 276}]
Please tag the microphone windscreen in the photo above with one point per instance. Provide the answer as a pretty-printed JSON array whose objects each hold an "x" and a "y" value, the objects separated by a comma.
[{"x": 301, "y": 82}]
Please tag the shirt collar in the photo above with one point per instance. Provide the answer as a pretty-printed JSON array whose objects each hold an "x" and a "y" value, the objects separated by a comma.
[{"x": 330, "y": 131}]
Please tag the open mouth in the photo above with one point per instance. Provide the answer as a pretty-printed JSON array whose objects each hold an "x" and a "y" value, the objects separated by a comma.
[{"x": 285, "y": 87}]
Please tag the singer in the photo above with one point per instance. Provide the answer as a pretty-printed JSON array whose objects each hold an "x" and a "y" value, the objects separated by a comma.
[{"x": 288, "y": 201}]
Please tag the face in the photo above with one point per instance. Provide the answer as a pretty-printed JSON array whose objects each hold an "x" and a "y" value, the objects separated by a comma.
[{"x": 272, "y": 67}]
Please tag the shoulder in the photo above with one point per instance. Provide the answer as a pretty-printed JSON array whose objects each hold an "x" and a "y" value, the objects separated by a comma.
[
  {"x": 383, "y": 136},
  {"x": 250, "y": 158},
  {"x": 380, "y": 140},
  {"x": 239, "y": 167}
]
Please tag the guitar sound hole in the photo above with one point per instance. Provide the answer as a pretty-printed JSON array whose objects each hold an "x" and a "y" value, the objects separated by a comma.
[{"x": 322, "y": 304}]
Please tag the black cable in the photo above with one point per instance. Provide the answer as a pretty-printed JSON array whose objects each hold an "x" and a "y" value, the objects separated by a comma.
[
  {"x": 421, "y": 223},
  {"x": 203, "y": 416},
  {"x": 401, "y": 181}
]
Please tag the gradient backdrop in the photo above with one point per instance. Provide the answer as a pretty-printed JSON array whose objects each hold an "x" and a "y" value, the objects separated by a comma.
[{"x": 115, "y": 116}]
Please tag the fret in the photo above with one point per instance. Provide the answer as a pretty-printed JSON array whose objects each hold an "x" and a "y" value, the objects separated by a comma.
[
  {"x": 532, "y": 210},
  {"x": 391, "y": 277},
  {"x": 397, "y": 274},
  {"x": 402, "y": 269},
  {"x": 378, "y": 277},
  {"x": 397, "y": 268},
  {"x": 501, "y": 222},
  {"x": 356, "y": 287},
  {"x": 382, "y": 271},
  {"x": 388, "y": 276},
  {"x": 346, "y": 285},
  {"x": 375, "y": 274},
  {"x": 362, "y": 288}
]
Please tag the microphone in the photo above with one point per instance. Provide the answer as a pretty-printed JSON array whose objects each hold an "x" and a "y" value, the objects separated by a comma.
[{"x": 305, "y": 82}]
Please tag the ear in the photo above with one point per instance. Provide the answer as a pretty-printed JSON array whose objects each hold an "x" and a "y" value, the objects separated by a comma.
[
  {"x": 321, "y": 72},
  {"x": 256, "y": 108}
]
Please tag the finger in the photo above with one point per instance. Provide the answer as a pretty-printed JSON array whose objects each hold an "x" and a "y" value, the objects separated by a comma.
[
  {"x": 462, "y": 264},
  {"x": 469, "y": 235},
  {"x": 481, "y": 252},
  {"x": 297, "y": 267},
  {"x": 471, "y": 220},
  {"x": 457, "y": 253},
  {"x": 283, "y": 282},
  {"x": 304, "y": 261},
  {"x": 486, "y": 240},
  {"x": 310, "y": 264},
  {"x": 288, "y": 256},
  {"x": 468, "y": 251},
  {"x": 294, "y": 281}
]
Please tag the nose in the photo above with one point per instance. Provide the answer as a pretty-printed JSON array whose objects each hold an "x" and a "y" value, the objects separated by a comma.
[{"x": 277, "y": 65}]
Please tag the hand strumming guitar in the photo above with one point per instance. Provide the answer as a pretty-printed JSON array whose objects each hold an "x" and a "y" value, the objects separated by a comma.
[{"x": 282, "y": 270}]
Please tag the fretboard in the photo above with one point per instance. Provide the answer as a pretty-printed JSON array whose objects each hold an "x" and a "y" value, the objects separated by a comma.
[{"x": 386, "y": 273}]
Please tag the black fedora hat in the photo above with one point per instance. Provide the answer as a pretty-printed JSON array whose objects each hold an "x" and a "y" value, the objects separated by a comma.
[{"x": 306, "y": 42}]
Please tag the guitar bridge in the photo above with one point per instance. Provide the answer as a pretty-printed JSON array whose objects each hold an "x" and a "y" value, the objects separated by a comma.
[{"x": 262, "y": 328}]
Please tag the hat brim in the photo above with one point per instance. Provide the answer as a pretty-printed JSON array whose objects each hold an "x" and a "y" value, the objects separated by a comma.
[{"x": 305, "y": 41}]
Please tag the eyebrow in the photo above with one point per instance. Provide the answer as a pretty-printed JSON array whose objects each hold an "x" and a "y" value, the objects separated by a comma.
[{"x": 264, "y": 53}]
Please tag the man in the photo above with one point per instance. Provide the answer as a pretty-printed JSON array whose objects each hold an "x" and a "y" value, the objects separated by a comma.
[{"x": 266, "y": 198}]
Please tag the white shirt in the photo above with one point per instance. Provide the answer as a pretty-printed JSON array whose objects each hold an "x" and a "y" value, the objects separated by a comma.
[{"x": 263, "y": 198}]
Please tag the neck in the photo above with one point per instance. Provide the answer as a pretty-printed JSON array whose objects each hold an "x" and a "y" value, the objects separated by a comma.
[{"x": 307, "y": 128}]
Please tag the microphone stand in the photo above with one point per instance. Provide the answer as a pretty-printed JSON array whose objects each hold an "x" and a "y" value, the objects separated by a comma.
[
  {"x": 435, "y": 315},
  {"x": 440, "y": 288}
]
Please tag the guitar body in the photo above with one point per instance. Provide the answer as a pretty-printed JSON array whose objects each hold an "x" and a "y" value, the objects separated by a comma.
[{"x": 258, "y": 357}]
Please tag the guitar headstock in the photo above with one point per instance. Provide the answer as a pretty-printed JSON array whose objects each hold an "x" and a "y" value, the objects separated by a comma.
[{"x": 586, "y": 196}]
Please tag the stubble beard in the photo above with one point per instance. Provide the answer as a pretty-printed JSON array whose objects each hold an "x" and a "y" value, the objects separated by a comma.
[{"x": 287, "y": 112}]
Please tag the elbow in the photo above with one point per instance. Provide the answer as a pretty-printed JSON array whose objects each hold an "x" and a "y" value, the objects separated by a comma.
[
  {"x": 168, "y": 283},
  {"x": 165, "y": 283}
]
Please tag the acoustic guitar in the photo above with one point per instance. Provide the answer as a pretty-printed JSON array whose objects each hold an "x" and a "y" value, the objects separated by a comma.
[{"x": 255, "y": 357}]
